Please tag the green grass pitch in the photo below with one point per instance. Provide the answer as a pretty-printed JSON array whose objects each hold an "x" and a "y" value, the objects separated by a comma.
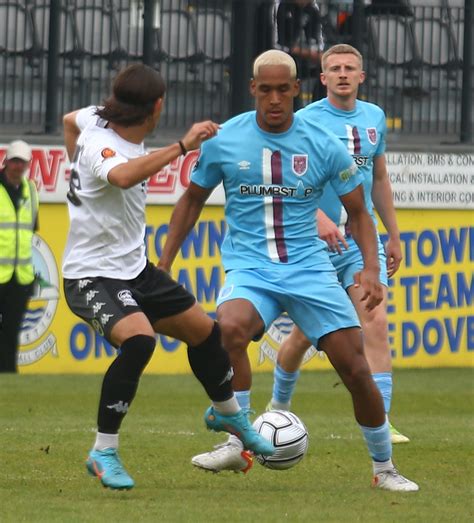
[{"x": 47, "y": 426}]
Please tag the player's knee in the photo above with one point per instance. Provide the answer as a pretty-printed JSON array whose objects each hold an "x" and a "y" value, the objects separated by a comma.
[
  {"x": 377, "y": 323},
  {"x": 234, "y": 335},
  {"x": 137, "y": 351},
  {"x": 298, "y": 341},
  {"x": 355, "y": 372}
]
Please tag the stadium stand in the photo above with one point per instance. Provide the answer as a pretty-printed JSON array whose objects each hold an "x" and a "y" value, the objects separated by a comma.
[
  {"x": 68, "y": 39},
  {"x": 16, "y": 30},
  {"x": 214, "y": 34},
  {"x": 214, "y": 39},
  {"x": 19, "y": 65},
  {"x": 179, "y": 45},
  {"x": 413, "y": 55}
]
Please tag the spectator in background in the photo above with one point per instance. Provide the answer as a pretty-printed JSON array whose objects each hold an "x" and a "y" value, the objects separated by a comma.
[
  {"x": 341, "y": 11},
  {"x": 18, "y": 221},
  {"x": 298, "y": 31}
]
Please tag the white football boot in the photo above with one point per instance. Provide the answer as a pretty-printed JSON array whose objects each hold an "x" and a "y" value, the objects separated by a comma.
[
  {"x": 226, "y": 456},
  {"x": 392, "y": 480}
]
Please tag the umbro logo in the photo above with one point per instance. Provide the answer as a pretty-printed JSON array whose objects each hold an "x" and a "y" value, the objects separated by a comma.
[{"x": 244, "y": 165}]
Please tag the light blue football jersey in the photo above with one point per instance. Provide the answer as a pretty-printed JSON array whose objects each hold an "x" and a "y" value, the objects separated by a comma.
[
  {"x": 362, "y": 131},
  {"x": 273, "y": 183}
]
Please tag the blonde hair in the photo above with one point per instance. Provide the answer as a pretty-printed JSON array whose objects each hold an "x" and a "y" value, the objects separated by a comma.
[
  {"x": 341, "y": 49},
  {"x": 274, "y": 57}
]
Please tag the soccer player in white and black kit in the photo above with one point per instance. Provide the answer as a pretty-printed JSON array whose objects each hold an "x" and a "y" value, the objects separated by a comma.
[{"x": 108, "y": 280}]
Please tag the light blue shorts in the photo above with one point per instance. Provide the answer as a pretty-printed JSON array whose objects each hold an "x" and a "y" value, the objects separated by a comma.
[
  {"x": 350, "y": 262},
  {"x": 314, "y": 299}
]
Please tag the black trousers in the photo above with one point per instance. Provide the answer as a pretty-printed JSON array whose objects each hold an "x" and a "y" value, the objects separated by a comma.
[{"x": 13, "y": 301}]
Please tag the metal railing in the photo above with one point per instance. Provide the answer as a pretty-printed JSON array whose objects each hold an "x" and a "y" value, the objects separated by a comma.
[{"x": 56, "y": 56}]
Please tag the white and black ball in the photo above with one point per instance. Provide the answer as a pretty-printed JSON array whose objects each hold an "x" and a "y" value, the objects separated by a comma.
[{"x": 288, "y": 435}]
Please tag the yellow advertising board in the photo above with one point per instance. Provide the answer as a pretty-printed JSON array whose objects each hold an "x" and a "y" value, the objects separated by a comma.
[{"x": 430, "y": 298}]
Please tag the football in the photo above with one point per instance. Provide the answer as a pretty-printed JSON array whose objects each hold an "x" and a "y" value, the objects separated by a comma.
[{"x": 288, "y": 435}]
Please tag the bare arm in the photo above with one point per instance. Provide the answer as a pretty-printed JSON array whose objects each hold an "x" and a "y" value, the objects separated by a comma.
[
  {"x": 383, "y": 203},
  {"x": 306, "y": 53},
  {"x": 185, "y": 215},
  {"x": 135, "y": 171},
  {"x": 330, "y": 233},
  {"x": 365, "y": 235},
  {"x": 71, "y": 133}
]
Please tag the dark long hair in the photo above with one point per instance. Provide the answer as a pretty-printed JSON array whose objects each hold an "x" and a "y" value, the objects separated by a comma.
[{"x": 135, "y": 91}]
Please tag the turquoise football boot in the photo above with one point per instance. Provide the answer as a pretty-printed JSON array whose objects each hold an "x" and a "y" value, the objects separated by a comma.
[
  {"x": 106, "y": 465},
  {"x": 239, "y": 425}
]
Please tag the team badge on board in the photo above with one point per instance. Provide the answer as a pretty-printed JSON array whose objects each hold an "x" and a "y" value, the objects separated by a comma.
[{"x": 300, "y": 164}]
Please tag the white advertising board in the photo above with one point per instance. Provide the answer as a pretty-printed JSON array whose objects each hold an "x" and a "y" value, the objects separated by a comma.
[
  {"x": 432, "y": 180},
  {"x": 419, "y": 180}
]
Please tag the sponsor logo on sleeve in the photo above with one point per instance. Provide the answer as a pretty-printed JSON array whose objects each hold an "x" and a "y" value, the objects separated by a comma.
[
  {"x": 346, "y": 174},
  {"x": 107, "y": 153}
]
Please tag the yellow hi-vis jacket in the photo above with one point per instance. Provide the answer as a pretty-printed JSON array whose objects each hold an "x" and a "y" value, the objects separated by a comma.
[{"x": 16, "y": 234}]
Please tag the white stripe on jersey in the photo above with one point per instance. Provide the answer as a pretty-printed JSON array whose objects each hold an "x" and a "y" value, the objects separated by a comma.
[
  {"x": 268, "y": 204},
  {"x": 350, "y": 148},
  {"x": 343, "y": 220},
  {"x": 350, "y": 139}
]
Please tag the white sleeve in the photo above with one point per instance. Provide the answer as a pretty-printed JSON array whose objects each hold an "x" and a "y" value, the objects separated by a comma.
[
  {"x": 86, "y": 116},
  {"x": 101, "y": 164},
  {"x": 108, "y": 165}
]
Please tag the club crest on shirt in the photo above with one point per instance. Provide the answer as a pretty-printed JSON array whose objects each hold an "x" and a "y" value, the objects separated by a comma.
[
  {"x": 107, "y": 153},
  {"x": 299, "y": 164},
  {"x": 372, "y": 135}
]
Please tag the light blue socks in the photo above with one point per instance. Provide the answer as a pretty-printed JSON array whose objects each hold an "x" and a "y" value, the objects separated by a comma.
[
  {"x": 283, "y": 386},
  {"x": 243, "y": 398},
  {"x": 378, "y": 442},
  {"x": 383, "y": 380}
]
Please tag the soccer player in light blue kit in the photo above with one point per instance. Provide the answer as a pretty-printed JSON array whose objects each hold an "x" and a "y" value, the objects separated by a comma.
[
  {"x": 273, "y": 166},
  {"x": 361, "y": 128}
]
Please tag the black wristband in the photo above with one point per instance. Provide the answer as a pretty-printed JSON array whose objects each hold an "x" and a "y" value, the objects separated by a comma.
[{"x": 183, "y": 148}]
